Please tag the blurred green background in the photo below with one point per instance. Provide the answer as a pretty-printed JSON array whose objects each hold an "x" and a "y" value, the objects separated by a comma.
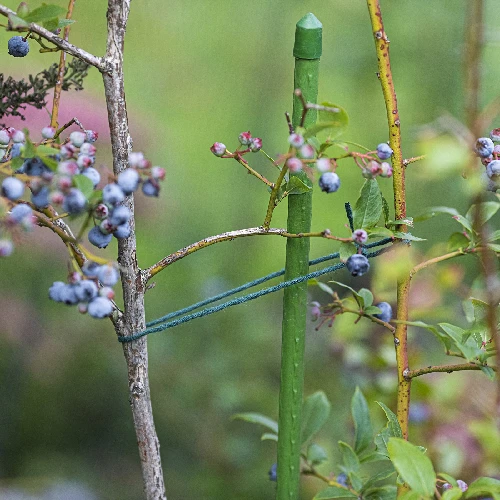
[{"x": 198, "y": 72}]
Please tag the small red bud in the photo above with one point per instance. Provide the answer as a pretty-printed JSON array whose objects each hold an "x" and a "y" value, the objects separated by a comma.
[
  {"x": 294, "y": 164},
  {"x": 256, "y": 144},
  {"x": 245, "y": 138},
  {"x": 218, "y": 149}
]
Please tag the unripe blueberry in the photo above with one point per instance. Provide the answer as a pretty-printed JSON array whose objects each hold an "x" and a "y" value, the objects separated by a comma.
[
  {"x": 108, "y": 275},
  {"x": 40, "y": 198},
  {"x": 447, "y": 486},
  {"x": 122, "y": 231},
  {"x": 3, "y": 153},
  {"x": 74, "y": 202},
  {"x": 357, "y": 264},
  {"x": 386, "y": 314},
  {"x": 128, "y": 180},
  {"x": 18, "y": 46},
  {"x": 158, "y": 173},
  {"x": 150, "y": 187},
  {"x": 12, "y": 188},
  {"x": 87, "y": 149},
  {"x": 67, "y": 151},
  {"x": 245, "y": 138},
  {"x": 64, "y": 183},
  {"x": 484, "y": 146},
  {"x": 495, "y": 135},
  {"x": 486, "y": 160},
  {"x": 19, "y": 212},
  {"x": 107, "y": 227},
  {"x": 108, "y": 292},
  {"x": 142, "y": 164},
  {"x": 120, "y": 215},
  {"x": 255, "y": 144},
  {"x": 98, "y": 239},
  {"x": 112, "y": 194},
  {"x": 386, "y": 170},
  {"x": 74, "y": 277},
  {"x": 85, "y": 290},
  {"x": 384, "y": 151},
  {"x": 93, "y": 175},
  {"x": 56, "y": 198},
  {"x": 296, "y": 140},
  {"x": 360, "y": 236},
  {"x": 329, "y": 182},
  {"x": 462, "y": 485},
  {"x": 218, "y": 149},
  {"x": 307, "y": 152},
  {"x": 493, "y": 169},
  {"x": 294, "y": 164},
  {"x": 100, "y": 307},
  {"x": 77, "y": 138},
  {"x": 4, "y": 137},
  {"x": 18, "y": 136},
  {"x": 135, "y": 158},
  {"x": 273, "y": 473},
  {"x": 6, "y": 248},
  {"x": 83, "y": 307},
  {"x": 84, "y": 161},
  {"x": 55, "y": 291},
  {"x": 323, "y": 165},
  {"x": 91, "y": 135},
  {"x": 101, "y": 211},
  {"x": 367, "y": 173},
  {"x": 375, "y": 168},
  {"x": 48, "y": 132}
]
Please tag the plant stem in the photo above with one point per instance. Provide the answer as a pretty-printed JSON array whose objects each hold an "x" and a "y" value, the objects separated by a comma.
[
  {"x": 60, "y": 71},
  {"x": 133, "y": 319},
  {"x": 403, "y": 285},
  {"x": 307, "y": 50},
  {"x": 444, "y": 368}
]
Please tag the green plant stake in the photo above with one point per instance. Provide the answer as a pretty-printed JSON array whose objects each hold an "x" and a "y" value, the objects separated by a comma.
[{"x": 307, "y": 51}]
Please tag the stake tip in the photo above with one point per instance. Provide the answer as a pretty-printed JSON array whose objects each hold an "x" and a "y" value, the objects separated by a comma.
[{"x": 308, "y": 38}]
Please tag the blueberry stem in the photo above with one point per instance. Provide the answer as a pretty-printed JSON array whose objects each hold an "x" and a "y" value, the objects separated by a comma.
[{"x": 445, "y": 369}]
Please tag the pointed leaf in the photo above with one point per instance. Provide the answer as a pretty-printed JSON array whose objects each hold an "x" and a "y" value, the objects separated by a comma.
[
  {"x": 488, "y": 210},
  {"x": 381, "y": 440},
  {"x": 368, "y": 208},
  {"x": 457, "y": 240},
  {"x": 363, "y": 430},
  {"x": 84, "y": 184},
  {"x": 453, "y": 494},
  {"x": 315, "y": 413},
  {"x": 489, "y": 372},
  {"x": 316, "y": 454},
  {"x": 380, "y": 476},
  {"x": 349, "y": 458},
  {"x": 257, "y": 418},
  {"x": 17, "y": 22},
  {"x": 367, "y": 296},
  {"x": 483, "y": 486},
  {"x": 334, "y": 492},
  {"x": 407, "y": 236},
  {"x": 394, "y": 427},
  {"x": 44, "y": 12},
  {"x": 413, "y": 466},
  {"x": 346, "y": 250},
  {"x": 442, "y": 337},
  {"x": 385, "y": 210},
  {"x": 297, "y": 186},
  {"x": 332, "y": 122},
  {"x": 468, "y": 348},
  {"x": 387, "y": 492}
]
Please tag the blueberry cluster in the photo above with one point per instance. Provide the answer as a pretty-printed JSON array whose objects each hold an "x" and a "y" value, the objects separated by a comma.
[
  {"x": 489, "y": 154},
  {"x": 92, "y": 292},
  {"x": 253, "y": 145}
]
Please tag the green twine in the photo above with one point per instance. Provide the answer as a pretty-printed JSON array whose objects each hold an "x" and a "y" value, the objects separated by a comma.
[{"x": 245, "y": 298}]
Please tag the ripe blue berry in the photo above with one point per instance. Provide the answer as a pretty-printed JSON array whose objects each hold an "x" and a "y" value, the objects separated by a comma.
[
  {"x": 493, "y": 169},
  {"x": 18, "y": 137},
  {"x": 100, "y": 307},
  {"x": 384, "y": 151},
  {"x": 67, "y": 295},
  {"x": 108, "y": 275},
  {"x": 98, "y": 238},
  {"x": 90, "y": 269},
  {"x": 55, "y": 291},
  {"x": 122, "y": 231},
  {"x": 329, "y": 182},
  {"x": 342, "y": 479},
  {"x": 273, "y": 473},
  {"x": 74, "y": 202},
  {"x": 484, "y": 147},
  {"x": 18, "y": 46},
  {"x": 6, "y": 248},
  {"x": 93, "y": 175},
  {"x": 112, "y": 194},
  {"x": 48, "y": 132},
  {"x": 12, "y": 188},
  {"x": 386, "y": 314},
  {"x": 40, "y": 198},
  {"x": 490, "y": 184},
  {"x": 357, "y": 264},
  {"x": 34, "y": 166},
  {"x": 16, "y": 150},
  {"x": 85, "y": 290},
  {"x": 120, "y": 215},
  {"x": 128, "y": 180},
  {"x": 151, "y": 188},
  {"x": 447, "y": 486},
  {"x": 19, "y": 212}
]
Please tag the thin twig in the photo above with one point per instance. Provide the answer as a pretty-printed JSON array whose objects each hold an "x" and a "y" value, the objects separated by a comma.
[{"x": 445, "y": 369}]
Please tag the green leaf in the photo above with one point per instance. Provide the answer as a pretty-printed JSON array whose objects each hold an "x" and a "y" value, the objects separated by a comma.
[
  {"x": 16, "y": 163},
  {"x": 355, "y": 481},
  {"x": 269, "y": 436},
  {"x": 257, "y": 418},
  {"x": 356, "y": 294},
  {"x": 483, "y": 486},
  {"x": 29, "y": 150},
  {"x": 488, "y": 210},
  {"x": 44, "y": 12},
  {"x": 380, "y": 476},
  {"x": 495, "y": 235},
  {"x": 387, "y": 492},
  {"x": 17, "y": 22},
  {"x": 438, "y": 334},
  {"x": 325, "y": 288},
  {"x": 296, "y": 186},
  {"x": 372, "y": 310},
  {"x": 346, "y": 250},
  {"x": 363, "y": 430},
  {"x": 433, "y": 211},
  {"x": 380, "y": 231},
  {"x": 448, "y": 478},
  {"x": 315, "y": 413},
  {"x": 413, "y": 466},
  {"x": 84, "y": 184},
  {"x": 334, "y": 492},
  {"x": 50, "y": 24},
  {"x": 489, "y": 372},
  {"x": 334, "y": 123},
  {"x": 394, "y": 427},
  {"x": 385, "y": 210},
  {"x": 368, "y": 208},
  {"x": 457, "y": 240},
  {"x": 46, "y": 150},
  {"x": 65, "y": 22},
  {"x": 494, "y": 247},
  {"x": 381, "y": 440},
  {"x": 453, "y": 494},
  {"x": 349, "y": 458},
  {"x": 95, "y": 197},
  {"x": 367, "y": 296},
  {"x": 410, "y": 495},
  {"x": 468, "y": 348},
  {"x": 50, "y": 162},
  {"x": 407, "y": 236},
  {"x": 408, "y": 222},
  {"x": 316, "y": 454}
]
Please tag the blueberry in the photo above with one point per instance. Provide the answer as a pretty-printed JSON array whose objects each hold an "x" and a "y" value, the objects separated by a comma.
[
  {"x": 74, "y": 202},
  {"x": 55, "y": 291},
  {"x": 128, "y": 180},
  {"x": 360, "y": 236},
  {"x": 48, "y": 132},
  {"x": 19, "y": 212},
  {"x": 296, "y": 140},
  {"x": 357, "y": 264},
  {"x": 77, "y": 138},
  {"x": 419, "y": 413},
  {"x": 447, "y": 486},
  {"x": 90, "y": 269},
  {"x": 34, "y": 166},
  {"x": 492, "y": 184},
  {"x": 386, "y": 314},
  {"x": 245, "y": 138},
  {"x": 100, "y": 307},
  {"x": 273, "y": 473},
  {"x": 85, "y": 161},
  {"x": 12, "y": 188},
  {"x": 85, "y": 290},
  {"x": 218, "y": 148},
  {"x": 91, "y": 135},
  {"x": 462, "y": 485},
  {"x": 6, "y": 247},
  {"x": 98, "y": 239},
  {"x": 93, "y": 175},
  {"x": 493, "y": 168},
  {"x": 101, "y": 211},
  {"x": 16, "y": 150},
  {"x": 484, "y": 147},
  {"x": 4, "y": 137},
  {"x": 40, "y": 198},
  {"x": 122, "y": 231},
  {"x": 67, "y": 295},
  {"x": 384, "y": 151},
  {"x": 108, "y": 275},
  {"x": 112, "y": 194},
  {"x": 495, "y": 135},
  {"x": 151, "y": 188},
  {"x": 120, "y": 215},
  {"x": 329, "y": 182},
  {"x": 342, "y": 479},
  {"x": 18, "y": 46}
]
